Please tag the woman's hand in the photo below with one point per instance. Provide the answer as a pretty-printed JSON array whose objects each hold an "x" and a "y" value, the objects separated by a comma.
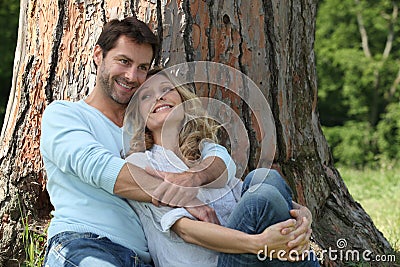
[
  {"x": 301, "y": 211},
  {"x": 275, "y": 239},
  {"x": 204, "y": 213},
  {"x": 302, "y": 233}
]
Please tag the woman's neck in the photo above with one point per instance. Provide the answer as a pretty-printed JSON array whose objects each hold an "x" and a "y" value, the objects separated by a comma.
[{"x": 167, "y": 138}]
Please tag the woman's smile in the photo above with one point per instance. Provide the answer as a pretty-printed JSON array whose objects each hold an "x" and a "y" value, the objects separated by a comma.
[{"x": 162, "y": 107}]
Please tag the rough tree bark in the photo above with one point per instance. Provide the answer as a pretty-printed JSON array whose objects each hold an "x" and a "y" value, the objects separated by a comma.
[{"x": 271, "y": 41}]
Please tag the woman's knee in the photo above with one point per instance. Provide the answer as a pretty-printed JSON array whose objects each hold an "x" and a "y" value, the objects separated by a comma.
[
  {"x": 264, "y": 193},
  {"x": 266, "y": 201},
  {"x": 265, "y": 176},
  {"x": 261, "y": 175},
  {"x": 270, "y": 177}
]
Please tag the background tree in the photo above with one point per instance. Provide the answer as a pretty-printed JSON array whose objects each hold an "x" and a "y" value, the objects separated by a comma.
[{"x": 270, "y": 41}]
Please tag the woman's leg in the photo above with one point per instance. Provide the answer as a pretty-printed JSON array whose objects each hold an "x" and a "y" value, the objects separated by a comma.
[
  {"x": 271, "y": 177},
  {"x": 266, "y": 200}
]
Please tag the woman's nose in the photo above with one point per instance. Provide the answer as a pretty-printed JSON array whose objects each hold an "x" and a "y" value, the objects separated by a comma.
[{"x": 161, "y": 96}]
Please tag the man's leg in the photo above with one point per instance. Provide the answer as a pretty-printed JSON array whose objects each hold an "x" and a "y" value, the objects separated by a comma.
[{"x": 70, "y": 249}]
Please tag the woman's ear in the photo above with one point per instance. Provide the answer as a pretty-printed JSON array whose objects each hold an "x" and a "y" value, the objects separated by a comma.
[{"x": 97, "y": 55}]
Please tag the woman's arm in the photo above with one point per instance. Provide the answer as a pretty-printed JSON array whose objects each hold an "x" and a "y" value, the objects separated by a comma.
[{"x": 222, "y": 239}]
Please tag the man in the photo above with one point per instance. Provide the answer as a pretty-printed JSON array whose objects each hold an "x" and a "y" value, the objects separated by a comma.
[
  {"x": 88, "y": 181},
  {"x": 81, "y": 144}
]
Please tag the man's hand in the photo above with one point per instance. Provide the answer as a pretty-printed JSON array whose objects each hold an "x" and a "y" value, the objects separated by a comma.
[
  {"x": 185, "y": 179},
  {"x": 177, "y": 189}
]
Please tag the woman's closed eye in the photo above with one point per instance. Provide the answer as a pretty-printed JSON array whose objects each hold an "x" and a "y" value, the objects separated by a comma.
[{"x": 166, "y": 90}]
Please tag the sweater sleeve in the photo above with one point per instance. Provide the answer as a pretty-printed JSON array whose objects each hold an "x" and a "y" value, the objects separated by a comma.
[{"x": 70, "y": 141}]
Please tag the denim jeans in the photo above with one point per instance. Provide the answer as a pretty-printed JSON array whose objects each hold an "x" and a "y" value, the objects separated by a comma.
[
  {"x": 70, "y": 249},
  {"x": 266, "y": 200}
]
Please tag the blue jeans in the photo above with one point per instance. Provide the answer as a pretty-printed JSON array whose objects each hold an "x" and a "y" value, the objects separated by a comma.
[
  {"x": 266, "y": 200},
  {"x": 70, "y": 249}
]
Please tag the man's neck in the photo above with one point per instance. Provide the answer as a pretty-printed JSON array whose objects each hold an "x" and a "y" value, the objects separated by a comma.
[{"x": 112, "y": 110}]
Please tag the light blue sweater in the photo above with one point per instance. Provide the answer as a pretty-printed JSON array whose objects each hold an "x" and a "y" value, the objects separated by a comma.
[{"x": 81, "y": 151}]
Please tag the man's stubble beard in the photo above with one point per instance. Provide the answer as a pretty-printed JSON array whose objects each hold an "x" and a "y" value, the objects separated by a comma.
[{"x": 107, "y": 85}]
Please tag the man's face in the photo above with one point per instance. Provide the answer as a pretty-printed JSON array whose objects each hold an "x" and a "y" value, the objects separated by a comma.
[{"x": 123, "y": 70}]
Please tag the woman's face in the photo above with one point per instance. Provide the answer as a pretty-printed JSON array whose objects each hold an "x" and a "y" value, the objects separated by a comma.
[{"x": 160, "y": 102}]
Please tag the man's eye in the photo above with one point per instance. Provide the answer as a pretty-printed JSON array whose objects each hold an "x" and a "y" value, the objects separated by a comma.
[
  {"x": 123, "y": 61},
  {"x": 144, "y": 68}
]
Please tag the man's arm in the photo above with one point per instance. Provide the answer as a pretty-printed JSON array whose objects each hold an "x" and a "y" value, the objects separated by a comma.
[
  {"x": 177, "y": 189},
  {"x": 174, "y": 189},
  {"x": 127, "y": 186},
  {"x": 210, "y": 172},
  {"x": 70, "y": 143},
  {"x": 136, "y": 184},
  {"x": 216, "y": 168}
]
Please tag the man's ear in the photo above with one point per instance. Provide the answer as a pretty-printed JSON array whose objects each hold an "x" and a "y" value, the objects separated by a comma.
[{"x": 97, "y": 55}]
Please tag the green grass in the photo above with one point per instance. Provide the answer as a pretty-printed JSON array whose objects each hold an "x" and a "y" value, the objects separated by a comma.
[
  {"x": 34, "y": 242},
  {"x": 378, "y": 192},
  {"x": 34, "y": 246}
]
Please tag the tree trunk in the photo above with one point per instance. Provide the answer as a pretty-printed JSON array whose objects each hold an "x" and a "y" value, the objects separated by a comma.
[{"x": 271, "y": 41}]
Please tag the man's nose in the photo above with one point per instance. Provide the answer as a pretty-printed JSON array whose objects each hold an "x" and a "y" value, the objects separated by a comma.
[
  {"x": 134, "y": 75},
  {"x": 131, "y": 73}
]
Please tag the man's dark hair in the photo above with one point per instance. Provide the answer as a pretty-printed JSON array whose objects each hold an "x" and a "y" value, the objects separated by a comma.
[{"x": 136, "y": 30}]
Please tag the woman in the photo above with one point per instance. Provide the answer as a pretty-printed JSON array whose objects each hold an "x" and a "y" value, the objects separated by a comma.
[{"x": 170, "y": 126}]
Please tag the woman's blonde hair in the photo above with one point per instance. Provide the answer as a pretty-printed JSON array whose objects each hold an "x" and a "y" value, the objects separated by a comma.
[{"x": 197, "y": 126}]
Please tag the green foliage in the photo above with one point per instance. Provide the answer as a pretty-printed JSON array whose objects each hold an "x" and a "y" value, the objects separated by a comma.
[
  {"x": 351, "y": 144},
  {"x": 388, "y": 133},
  {"x": 356, "y": 99}
]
